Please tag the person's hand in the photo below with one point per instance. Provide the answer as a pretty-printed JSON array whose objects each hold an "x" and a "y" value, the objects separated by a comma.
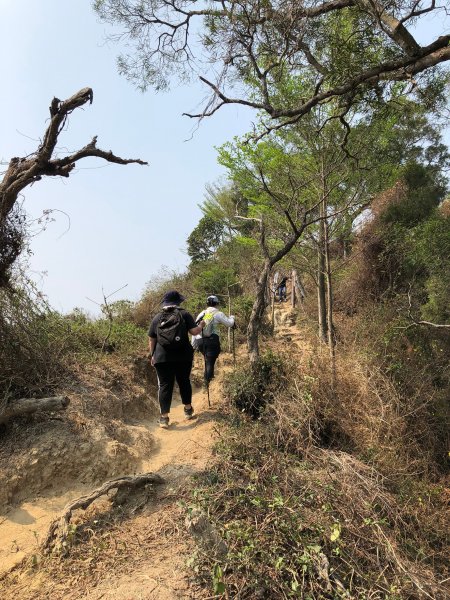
[{"x": 202, "y": 324}]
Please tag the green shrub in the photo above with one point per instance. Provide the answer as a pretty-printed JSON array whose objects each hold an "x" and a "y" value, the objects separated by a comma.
[
  {"x": 425, "y": 191},
  {"x": 39, "y": 346},
  {"x": 33, "y": 343},
  {"x": 253, "y": 386}
]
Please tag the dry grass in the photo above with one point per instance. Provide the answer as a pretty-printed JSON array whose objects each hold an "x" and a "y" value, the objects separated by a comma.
[{"x": 322, "y": 498}]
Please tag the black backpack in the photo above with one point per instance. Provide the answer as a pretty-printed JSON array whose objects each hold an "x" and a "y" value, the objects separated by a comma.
[{"x": 171, "y": 331}]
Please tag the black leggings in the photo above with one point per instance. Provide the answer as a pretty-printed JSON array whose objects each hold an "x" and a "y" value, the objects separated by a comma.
[
  {"x": 167, "y": 373},
  {"x": 210, "y": 348}
]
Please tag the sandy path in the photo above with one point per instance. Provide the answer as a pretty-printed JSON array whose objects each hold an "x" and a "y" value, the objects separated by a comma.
[
  {"x": 185, "y": 442},
  {"x": 182, "y": 449}
]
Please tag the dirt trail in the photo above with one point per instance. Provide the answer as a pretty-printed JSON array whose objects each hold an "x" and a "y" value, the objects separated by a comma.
[
  {"x": 287, "y": 330},
  {"x": 182, "y": 449},
  {"x": 156, "y": 566}
]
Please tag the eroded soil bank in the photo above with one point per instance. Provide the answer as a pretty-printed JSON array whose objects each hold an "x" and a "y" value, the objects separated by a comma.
[{"x": 109, "y": 430}]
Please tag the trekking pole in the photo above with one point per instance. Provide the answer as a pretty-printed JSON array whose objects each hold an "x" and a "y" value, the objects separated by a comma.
[
  {"x": 206, "y": 379},
  {"x": 234, "y": 347}
]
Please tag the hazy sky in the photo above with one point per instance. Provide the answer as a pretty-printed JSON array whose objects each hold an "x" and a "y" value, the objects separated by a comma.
[{"x": 125, "y": 221}]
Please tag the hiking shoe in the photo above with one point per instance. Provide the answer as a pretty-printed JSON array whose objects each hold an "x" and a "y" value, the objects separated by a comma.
[
  {"x": 163, "y": 422},
  {"x": 189, "y": 413}
]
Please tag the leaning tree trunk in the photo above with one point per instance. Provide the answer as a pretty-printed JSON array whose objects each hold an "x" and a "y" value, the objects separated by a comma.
[
  {"x": 261, "y": 302},
  {"x": 257, "y": 314}
]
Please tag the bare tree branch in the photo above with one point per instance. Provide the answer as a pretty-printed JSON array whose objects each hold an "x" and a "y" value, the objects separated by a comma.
[
  {"x": 396, "y": 70},
  {"x": 415, "y": 322},
  {"x": 22, "y": 172},
  {"x": 254, "y": 43}
]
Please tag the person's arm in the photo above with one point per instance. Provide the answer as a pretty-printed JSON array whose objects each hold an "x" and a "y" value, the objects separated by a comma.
[
  {"x": 198, "y": 329},
  {"x": 152, "y": 339},
  {"x": 224, "y": 320},
  {"x": 193, "y": 327},
  {"x": 151, "y": 348}
]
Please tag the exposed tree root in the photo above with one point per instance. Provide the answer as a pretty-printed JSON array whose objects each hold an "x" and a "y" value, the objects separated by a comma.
[{"x": 59, "y": 530}]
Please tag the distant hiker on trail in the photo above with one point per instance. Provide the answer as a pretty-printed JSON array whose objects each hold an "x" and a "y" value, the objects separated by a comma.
[
  {"x": 208, "y": 341},
  {"x": 281, "y": 290},
  {"x": 172, "y": 354}
]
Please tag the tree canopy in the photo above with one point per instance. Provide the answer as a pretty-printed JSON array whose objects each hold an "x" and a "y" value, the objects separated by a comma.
[{"x": 356, "y": 51}]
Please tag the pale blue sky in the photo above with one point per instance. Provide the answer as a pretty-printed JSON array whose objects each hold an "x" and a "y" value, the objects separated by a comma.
[{"x": 126, "y": 221}]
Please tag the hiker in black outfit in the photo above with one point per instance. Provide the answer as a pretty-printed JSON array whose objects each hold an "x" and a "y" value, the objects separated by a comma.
[
  {"x": 282, "y": 289},
  {"x": 208, "y": 341},
  {"x": 171, "y": 353}
]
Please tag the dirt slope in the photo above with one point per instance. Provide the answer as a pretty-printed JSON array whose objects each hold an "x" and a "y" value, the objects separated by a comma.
[
  {"x": 175, "y": 454},
  {"x": 141, "y": 551}
]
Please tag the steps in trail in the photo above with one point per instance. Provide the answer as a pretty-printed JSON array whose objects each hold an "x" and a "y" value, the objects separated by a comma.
[
  {"x": 285, "y": 326},
  {"x": 284, "y": 316}
]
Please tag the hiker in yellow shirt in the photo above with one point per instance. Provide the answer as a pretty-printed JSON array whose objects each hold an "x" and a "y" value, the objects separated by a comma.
[{"x": 208, "y": 342}]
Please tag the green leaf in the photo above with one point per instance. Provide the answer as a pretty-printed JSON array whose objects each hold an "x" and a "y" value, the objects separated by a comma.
[
  {"x": 335, "y": 532},
  {"x": 219, "y": 587}
]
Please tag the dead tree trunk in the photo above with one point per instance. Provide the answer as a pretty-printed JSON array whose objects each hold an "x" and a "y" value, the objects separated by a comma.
[
  {"x": 299, "y": 288},
  {"x": 22, "y": 172},
  {"x": 27, "y": 406},
  {"x": 293, "y": 289}
]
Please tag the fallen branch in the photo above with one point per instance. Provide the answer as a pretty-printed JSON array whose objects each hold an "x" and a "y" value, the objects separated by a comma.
[
  {"x": 26, "y": 406},
  {"x": 59, "y": 530}
]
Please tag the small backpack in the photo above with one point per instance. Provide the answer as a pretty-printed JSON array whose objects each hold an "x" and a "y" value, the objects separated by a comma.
[
  {"x": 208, "y": 317},
  {"x": 171, "y": 331}
]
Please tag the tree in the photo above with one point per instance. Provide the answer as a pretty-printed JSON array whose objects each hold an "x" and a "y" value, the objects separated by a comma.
[
  {"x": 315, "y": 171},
  {"x": 205, "y": 239},
  {"x": 354, "y": 51},
  {"x": 25, "y": 171},
  {"x": 279, "y": 186}
]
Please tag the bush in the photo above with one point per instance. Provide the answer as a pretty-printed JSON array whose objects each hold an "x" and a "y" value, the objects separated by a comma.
[
  {"x": 39, "y": 346},
  {"x": 242, "y": 308},
  {"x": 253, "y": 386},
  {"x": 150, "y": 303},
  {"x": 425, "y": 190},
  {"x": 34, "y": 341},
  {"x": 209, "y": 277},
  {"x": 92, "y": 336}
]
